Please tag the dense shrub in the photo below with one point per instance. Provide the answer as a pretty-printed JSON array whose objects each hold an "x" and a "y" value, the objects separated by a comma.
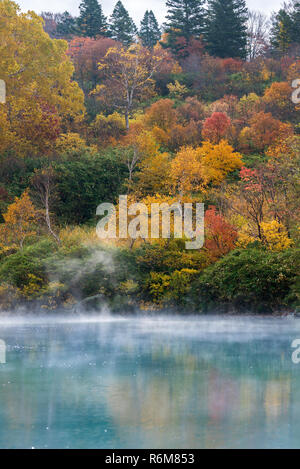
[
  {"x": 85, "y": 182},
  {"x": 252, "y": 279},
  {"x": 19, "y": 269}
]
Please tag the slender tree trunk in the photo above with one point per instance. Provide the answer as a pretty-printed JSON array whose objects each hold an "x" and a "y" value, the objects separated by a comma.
[
  {"x": 127, "y": 119},
  {"x": 48, "y": 220}
]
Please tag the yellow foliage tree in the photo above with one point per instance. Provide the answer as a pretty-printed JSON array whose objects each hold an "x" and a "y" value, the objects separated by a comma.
[
  {"x": 128, "y": 77},
  {"x": 152, "y": 178},
  {"x": 218, "y": 161},
  {"x": 275, "y": 236},
  {"x": 72, "y": 143},
  {"x": 186, "y": 170},
  {"x": 107, "y": 130},
  {"x": 177, "y": 90},
  {"x": 41, "y": 95},
  {"x": 195, "y": 168}
]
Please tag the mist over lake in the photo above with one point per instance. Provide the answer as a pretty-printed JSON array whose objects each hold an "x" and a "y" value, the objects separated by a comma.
[{"x": 159, "y": 382}]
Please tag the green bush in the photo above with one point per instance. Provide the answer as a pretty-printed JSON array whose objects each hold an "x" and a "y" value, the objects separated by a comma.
[
  {"x": 18, "y": 269},
  {"x": 252, "y": 279},
  {"x": 85, "y": 182}
]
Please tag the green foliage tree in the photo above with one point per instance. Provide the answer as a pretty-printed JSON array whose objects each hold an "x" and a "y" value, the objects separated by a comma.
[
  {"x": 85, "y": 182},
  {"x": 122, "y": 27},
  {"x": 67, "y": 25},
  {"x": 253, "y": 279},
  {"x": 281, "y": 31},
  {"x": 285, "y": 29},
  {"x": 91, "y": 21},
  {"x": 149, "y": 32},
  {"x": 226, "y": 28},
  {"x": 296, "y": 22}
]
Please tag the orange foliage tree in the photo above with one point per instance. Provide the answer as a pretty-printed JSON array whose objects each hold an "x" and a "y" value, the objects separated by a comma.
[
  {"x": 174, "y": 128},
  {"x": 19, "y": 223},
  {"x": 263, "y": 131},
  {"x": 278, "y": 101}
]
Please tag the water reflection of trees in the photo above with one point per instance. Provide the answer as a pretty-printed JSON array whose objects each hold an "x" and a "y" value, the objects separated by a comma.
[{"x": 147, "y": 390}]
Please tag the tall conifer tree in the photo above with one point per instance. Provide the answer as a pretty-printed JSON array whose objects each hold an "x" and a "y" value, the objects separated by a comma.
[
  {"x": 149, "y": 32},
  {"x": 281, "y": 35},
  {"x": 226, "y": 28},
  {"x": 91, "y": 21},
  {"x": 296, "y": 22},
  {"x": 185, "y": 20},
  {"x": 67, "y": 25},
  {"x": 285, "y": 29},
  {"x": 122, "y": 27}
]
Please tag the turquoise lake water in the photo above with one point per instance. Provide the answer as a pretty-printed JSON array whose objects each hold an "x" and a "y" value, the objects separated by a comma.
[{"x": 164, "y": 382}]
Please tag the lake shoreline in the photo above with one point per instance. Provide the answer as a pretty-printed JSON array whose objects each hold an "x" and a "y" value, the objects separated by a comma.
[{"x": 38, "y": 312}]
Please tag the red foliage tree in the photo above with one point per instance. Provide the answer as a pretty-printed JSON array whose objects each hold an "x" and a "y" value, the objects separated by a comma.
[
  {"x": 220, "y": 235},
  {"x": 86, "y": 53},
  {"x": 216, "y": 127}
]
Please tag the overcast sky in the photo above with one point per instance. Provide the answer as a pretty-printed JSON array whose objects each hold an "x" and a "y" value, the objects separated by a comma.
[{"x": 136, "y": 8}]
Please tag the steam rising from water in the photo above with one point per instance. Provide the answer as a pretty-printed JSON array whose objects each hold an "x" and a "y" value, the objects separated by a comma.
[{"x": 198, "y": 327}]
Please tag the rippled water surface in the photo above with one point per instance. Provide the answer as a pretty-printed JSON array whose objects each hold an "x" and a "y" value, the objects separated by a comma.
[{"x": 149, "y": 383}]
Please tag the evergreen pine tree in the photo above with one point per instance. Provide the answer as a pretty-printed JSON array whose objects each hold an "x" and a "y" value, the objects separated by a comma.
[
  {"x": 226, "y": 28},
  {"x": 67, "y": 25},
  {"x": 295, "y": 18},
  {"x": 281, "y": 35},
  {"x": 91, "y": 21},
  {"x": 122, "y": 27},
  {"x": 149, "y": 32},
  {"x": 185, "y": 20}
]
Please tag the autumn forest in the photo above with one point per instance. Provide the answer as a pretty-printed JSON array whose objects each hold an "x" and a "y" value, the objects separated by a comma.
[{"x": 203, "y": 108}]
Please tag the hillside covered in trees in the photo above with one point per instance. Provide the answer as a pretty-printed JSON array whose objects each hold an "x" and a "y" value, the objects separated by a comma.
[{"x": 204, "y": 108}]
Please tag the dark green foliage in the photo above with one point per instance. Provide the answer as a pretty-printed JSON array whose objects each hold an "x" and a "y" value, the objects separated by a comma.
[
  {"x": 285, "y": 30},
  {"x": 149, "y": 32},
  {"x": 15, "y": 175},
  {"x": 226, "y": 29},
  {"x": 82, "y": 182},
  {"x": 18, "y": 268},
  {"x": 253, "y": 279},
  {"x": 86, "y": 182},
  {"x": 121, "y": 26},
  {"x": 67, "y": 25},
  {"x": 296, "y": 23},
  {"x": 281, "y": 31},
  {"x": 185, "y": 20},
  {"x": 91, "y": 21}
]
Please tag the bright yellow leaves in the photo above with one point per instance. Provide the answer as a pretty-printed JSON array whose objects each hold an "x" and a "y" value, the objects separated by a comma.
[
  {"x": 194, "y": 169},
  {"x": 218, "y": 161},
  {"x": 38, "y": 76},
  {"x": 186, "y": 170},
  {"x": 177, "y": 90},
  {"x": 275, "y": 236}
]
